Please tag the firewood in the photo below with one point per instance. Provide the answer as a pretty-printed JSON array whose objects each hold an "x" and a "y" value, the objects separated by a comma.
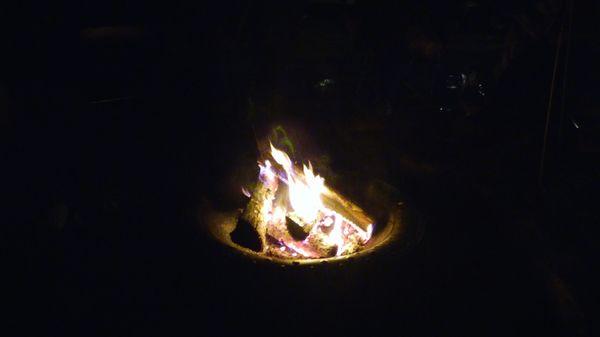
[
  {"x": 253, "y": 224},
  {"x": 319, "y": 243},
  {"x": 297, "y": 232},
  {"x": 246, "y": 235}
]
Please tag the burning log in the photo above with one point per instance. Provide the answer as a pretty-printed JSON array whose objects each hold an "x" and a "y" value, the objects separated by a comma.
[
  {"x": 321, "y": 245},
  {"x": 297, "y": 231},
  {"x": 251, "y": 229}
]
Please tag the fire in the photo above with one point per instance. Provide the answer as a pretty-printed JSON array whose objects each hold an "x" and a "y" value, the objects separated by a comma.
[
  {"x": 294, "y": 218},
  {"x": 304, "y": 190}
]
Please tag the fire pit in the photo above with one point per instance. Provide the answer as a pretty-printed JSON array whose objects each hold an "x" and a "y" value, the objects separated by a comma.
[{"x": 292, "y": 217}]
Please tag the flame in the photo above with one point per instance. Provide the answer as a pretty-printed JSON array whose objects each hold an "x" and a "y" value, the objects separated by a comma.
[
  {"x": 278, "y": 214},
  {"x": 267, "y": 175},
  {"x": 326, "y": 229},
  {"x": 369, "y": 233},
  {"x": 305, "y": 196},
  {"x": 281, "y": 158},
  {"x": 246, "y": 192},
  {"x": 304, "y": 191}
]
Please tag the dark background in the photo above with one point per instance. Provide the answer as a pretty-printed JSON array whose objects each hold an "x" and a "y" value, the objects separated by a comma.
[{"x": 118, "y": 118}]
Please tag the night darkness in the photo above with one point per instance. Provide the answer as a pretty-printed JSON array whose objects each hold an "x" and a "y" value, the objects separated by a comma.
[{"x": 120, "y": 119}]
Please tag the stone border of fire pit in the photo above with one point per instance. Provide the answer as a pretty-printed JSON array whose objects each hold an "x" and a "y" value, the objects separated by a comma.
[{"x": 219, "y": 225}]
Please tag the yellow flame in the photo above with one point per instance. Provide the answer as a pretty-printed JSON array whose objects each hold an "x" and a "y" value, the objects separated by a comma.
[
  {"x": 304, "y": 190},
  {"x": 281, "y": 158},
  {"x": 278, "y": 214}
]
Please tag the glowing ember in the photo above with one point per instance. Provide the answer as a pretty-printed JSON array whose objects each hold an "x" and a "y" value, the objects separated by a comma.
[{"x": 293, "y": 221}]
